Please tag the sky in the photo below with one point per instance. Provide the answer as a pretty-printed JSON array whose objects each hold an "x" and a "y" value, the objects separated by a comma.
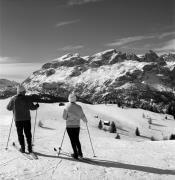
[{"x": 33, "y": 32}]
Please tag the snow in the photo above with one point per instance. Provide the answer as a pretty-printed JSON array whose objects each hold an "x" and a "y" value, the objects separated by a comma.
[
  {"x": 67, "y": 57},
  {"x": 100, "y": 74},
  {"x": 103, "y": 52},
  {"x": 131, "y": 157},
  {"x": 170, "y": 65},
  {"x": 107, "y": 72}
]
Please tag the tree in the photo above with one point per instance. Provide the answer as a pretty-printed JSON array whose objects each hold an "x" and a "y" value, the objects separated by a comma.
[
  {"x": 150, "y": 121},
  {"x": 143, "y": 115},
  {"x": 117, "y": 136},
  {"x": 137, "y": 132},
  {"x": 172, "y": 137},
  {"x": 40, "y": 124},
  {"x": 113, "y": 127},
  {"x": 100, "y": 125},
  {"x": 153, "y": 138}
]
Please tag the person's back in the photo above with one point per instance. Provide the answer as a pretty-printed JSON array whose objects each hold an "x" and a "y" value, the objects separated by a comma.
[
  {"x": 21, "y": 107},
  {"x": 72, "y": 114}
]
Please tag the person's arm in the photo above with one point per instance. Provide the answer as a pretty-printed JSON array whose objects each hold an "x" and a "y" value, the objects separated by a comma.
[
  {"x": 33, "y": 106},
  {"x": 10, "y": 105},
  {"x": 65, "y": 114}
]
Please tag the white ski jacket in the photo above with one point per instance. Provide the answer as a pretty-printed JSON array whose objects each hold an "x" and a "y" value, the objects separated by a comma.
[{"x": 72, "y": 114}]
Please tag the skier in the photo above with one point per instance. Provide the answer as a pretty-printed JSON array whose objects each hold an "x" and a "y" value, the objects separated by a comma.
[
  {"x": 21, "y": 107},
  {"x": 72, "y": 114}
]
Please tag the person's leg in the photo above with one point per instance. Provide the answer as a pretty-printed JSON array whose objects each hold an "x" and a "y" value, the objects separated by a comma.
[
  {"x": 19, "y": 128},
  {"x": 71, "y": 133},
  {"x": 27, "y": 131},
  {"x": 77, "y": 140}
]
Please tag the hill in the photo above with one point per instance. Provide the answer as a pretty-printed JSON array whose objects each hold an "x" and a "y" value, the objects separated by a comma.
[{"x": 130, "y": 157}]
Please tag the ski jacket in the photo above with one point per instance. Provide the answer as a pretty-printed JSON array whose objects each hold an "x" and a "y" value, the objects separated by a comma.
[
  {"x": 72, "y": 114},
  {"x": 21, "y": 107}
]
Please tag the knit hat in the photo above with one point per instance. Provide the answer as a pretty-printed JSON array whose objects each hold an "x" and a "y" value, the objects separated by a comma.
[
  {"x": 72, "y": 98},
  {"x": 20, "y": 88}
]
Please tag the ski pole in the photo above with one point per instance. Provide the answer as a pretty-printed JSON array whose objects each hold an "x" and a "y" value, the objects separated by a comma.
[
  {"x": 62, "y": 141},
  {"x": 9, "y": 132},
  {"x": 90, "y": 140},
  {"x": 34, "y": 128}
]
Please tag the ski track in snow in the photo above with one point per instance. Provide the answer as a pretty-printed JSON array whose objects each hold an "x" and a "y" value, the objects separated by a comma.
[{"x": 131, "y": 158}]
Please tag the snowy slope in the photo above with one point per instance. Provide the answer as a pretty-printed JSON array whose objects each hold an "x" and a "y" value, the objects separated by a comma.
[{"x": 128, "y": 158}]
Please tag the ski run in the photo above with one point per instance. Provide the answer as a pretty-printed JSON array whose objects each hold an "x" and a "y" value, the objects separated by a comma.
[{"x": 129, "y": 158}]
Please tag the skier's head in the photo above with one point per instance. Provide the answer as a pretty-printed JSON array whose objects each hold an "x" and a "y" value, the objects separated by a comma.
[
  {"x": 21, "y": 89},
  {"x": 72, "y": 97}
]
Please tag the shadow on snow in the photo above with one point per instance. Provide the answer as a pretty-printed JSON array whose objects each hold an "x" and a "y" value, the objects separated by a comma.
[{"x": 113, "y": 164}]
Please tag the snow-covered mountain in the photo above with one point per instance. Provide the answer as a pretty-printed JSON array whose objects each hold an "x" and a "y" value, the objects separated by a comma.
[
  {"x": 7, "y": 88},
  {"x": 107, "y": 76}
]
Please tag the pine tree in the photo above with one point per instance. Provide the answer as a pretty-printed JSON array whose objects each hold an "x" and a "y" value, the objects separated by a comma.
[
  {"x": 153, "y": 138},
  {"x": 143, "y": 115},
  {"x": 100, "y": 125},
  {"x": 40, "y": 124},
  {"x": 113, "y": 128},
  {"x": 150, "y": 121},
  {"x": 117, "y": 136},
  {"x": 137, "y": 132},
  {"x": 172, "y": 137}
]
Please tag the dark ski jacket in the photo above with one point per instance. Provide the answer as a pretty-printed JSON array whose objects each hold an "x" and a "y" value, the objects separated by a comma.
[{"x": 21, "y": 107}]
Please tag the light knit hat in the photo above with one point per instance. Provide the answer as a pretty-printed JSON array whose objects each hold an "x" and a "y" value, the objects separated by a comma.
[
  {"x": 20, "y": 88},
  {"x": 72, "y": 98}
]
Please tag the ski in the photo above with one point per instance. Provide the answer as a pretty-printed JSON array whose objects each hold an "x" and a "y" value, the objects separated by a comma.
[
  {"x": 34, "y": 156},
  {"x": 69, "y": 155},
  {"x": 24, "y": 154},
  {"x": 30, "y": 156}
]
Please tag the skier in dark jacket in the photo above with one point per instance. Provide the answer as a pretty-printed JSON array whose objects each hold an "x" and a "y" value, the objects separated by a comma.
[
  {"x": 21, "y": 107},
  {"x": 72, "y": 114}
]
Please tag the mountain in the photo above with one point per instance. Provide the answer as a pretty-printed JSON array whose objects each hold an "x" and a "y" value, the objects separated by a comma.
[
  {"x": 7, "y": 88},
  {"x": 108, "y": 76}
]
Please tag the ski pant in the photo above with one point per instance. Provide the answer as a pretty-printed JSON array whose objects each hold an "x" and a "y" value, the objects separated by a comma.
[
  {"x": 74, "y": 138},
  {"x": 26, "y": 127}
]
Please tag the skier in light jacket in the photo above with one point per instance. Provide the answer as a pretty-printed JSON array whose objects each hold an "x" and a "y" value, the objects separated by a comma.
[
  {"x": 72, "y": 114},
  {"x": 21, "y": 107}
]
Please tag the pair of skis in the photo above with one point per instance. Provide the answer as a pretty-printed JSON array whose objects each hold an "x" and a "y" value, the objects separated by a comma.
[
  {"x": 30, "y": 156},
  {"x": 85, "y": 159}
]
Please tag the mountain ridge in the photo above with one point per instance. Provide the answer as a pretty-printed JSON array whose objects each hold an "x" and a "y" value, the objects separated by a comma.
[{"x": 108, "y": 76}]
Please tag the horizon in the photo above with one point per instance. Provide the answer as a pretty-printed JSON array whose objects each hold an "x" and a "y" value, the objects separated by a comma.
[{"x": 55, "y": 28}]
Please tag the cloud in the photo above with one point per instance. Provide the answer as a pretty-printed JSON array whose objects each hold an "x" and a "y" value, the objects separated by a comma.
[
  {"x": 169, "y": 46},
  {"x": 65, "y": 23},
  {"x": 70, "y": 48},
  {"x": 80, "y": 2},
  {"x": 165, "y": 34},
  {"x": 18, "y": 71},
  {"x": 7, "y": 60},
  {"x": 4, "y": 59},
  {"x": 127, "y": 40}
]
